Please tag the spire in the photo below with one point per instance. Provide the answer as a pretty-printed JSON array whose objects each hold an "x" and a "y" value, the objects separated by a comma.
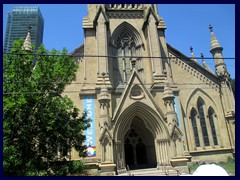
[
  {"x": 204, "y": 64},
  {"x": 216, "y": 50},
  {"x": 192, "y": 55},
  {"x": 214, "y": 42},
  {"x": 27, "y": 45}
]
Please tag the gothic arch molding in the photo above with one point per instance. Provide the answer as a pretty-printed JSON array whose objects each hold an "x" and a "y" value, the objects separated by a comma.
[
  {"x": 150, "y": 119},
  {"x": 126, "y": 28},
  {"x": 107, "y": 149},
  {"x": 194, "y": 97},
  {"x": 203, "y": 127}
]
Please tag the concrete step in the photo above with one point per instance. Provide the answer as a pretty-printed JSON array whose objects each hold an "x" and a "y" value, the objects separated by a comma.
[
  {"x": 144, "y": 170},
  {"x": 150, "y": 172},
  {"x": 156, "y": 173}
]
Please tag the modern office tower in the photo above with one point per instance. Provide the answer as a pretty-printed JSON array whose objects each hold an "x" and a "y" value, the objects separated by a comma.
[{"x": 17, "y": 26}]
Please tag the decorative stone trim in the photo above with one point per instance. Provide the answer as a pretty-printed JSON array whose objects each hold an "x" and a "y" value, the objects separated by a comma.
[
  {"x": 162, "y": 140},
  {"x": 193, "y": 72},
  {"x": 131, "y": 15},
  {"x": 210, "y": 149},
  {"x": 86, "y": 23},
  {"x": 124, "y": 6},
  {"x": 136, "y": 93}
]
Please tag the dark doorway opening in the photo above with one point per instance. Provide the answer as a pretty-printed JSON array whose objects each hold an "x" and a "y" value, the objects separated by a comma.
[
  {"x": 141, "y": 153},
  {"x": 128, "y": 153},
  {"x": 139, "y": 146}
]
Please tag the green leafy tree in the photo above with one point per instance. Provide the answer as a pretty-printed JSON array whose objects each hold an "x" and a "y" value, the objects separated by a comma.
[
  {"x": 38, "y": 121},
  {"x": 232, "y": 81}
]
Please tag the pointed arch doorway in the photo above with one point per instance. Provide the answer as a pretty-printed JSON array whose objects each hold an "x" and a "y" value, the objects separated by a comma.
[{"x": 139, "y": 148}]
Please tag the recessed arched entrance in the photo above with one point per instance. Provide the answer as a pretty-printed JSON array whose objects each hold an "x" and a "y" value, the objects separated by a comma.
[
  {"x": 139, "y": 148},
  {"x": 136, "y": 135}
]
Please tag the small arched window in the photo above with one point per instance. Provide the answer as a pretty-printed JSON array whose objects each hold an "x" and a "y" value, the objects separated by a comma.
[
  {"x": 212, "y": 117},
  {"x": 200, "y": 105},
  {"x": 194, "y": 126}
]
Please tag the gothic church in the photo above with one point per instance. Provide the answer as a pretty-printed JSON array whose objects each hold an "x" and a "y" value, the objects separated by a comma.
[{"x": 150, "y": 105}]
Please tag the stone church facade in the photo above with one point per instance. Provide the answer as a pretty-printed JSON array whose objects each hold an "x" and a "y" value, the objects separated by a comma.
[{"x": 150, "y": 105}]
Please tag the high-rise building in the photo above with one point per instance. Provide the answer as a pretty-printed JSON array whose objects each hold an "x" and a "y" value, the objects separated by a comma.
[{"x": 17, "y": 26}]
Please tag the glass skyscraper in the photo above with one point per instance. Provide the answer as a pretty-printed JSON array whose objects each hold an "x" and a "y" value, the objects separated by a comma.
[{"x": 17, "y": 26}]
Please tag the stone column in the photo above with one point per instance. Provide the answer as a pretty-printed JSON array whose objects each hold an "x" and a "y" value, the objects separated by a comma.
[
  {"x": 162, "y": 151},
  {"x": 104, "y": 100},
  {"x": 155, "y": 50},
  {"x": 119, "y": 155},
  {"x": 102, "y": 45},
  {"x": 158, "y": 155},
  {"x": 228, "y": 99}
]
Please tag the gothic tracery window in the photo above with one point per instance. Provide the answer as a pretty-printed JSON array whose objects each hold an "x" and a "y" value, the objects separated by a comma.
[
  {"x": 212, "y": 117},
  {"x": 194, "y": 126},
  {"x": 203, "y": 122},
  {"x": 126, "y": 48}
]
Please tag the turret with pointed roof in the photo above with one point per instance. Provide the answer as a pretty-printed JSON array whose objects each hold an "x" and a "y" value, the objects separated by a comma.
[
  {"x": 192, "y": 54},
  {"x": 216, "y": 50},
  {"x": 204, "y": 64},
  {"x": 221, "y": 70},
  {"x": 27, "y": 45}
]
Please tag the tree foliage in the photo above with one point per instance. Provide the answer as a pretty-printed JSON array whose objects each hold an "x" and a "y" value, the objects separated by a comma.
[{"x": 38, "y": 121}]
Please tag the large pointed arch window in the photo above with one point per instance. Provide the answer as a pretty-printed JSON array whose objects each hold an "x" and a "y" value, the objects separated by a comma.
[
  {"x": 203, "y": 121},
  {"x": 212, "y": 118},
  {"x": 200, "y": 105},
  {"x": 194, "y": 126},
  {"x": 127, "y": 44}
]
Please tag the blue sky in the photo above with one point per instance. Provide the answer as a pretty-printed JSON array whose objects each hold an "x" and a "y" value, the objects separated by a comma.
[{"x": 187, "y": 25}]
